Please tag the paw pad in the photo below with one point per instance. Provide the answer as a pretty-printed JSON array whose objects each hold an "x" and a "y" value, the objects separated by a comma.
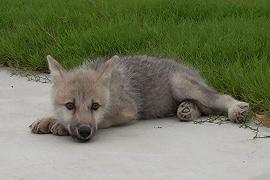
[{"x": 187, "y": 111}]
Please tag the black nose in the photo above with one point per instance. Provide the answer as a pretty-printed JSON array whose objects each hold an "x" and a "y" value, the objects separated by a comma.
[{"x": 84, "y": 131}]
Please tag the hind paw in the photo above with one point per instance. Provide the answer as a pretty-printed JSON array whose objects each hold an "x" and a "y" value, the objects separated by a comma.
[
  {"x": 238, "y": 112},
  {"x": 187, "y": 111}
]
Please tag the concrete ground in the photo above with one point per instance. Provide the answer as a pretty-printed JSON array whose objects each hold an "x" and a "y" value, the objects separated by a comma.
[{"x": 153, "y": 149}]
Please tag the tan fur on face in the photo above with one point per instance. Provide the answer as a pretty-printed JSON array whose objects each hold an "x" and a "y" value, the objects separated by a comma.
[{"x": 83, "y": 88}]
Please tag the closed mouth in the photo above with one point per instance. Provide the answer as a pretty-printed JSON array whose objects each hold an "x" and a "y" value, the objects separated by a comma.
[{"x": 82, "y": 139}]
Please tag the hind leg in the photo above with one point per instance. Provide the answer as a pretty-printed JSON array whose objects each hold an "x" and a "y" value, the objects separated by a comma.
[
  {"x": 188, "y": 111},
  {"x": 208, "y": 100}
]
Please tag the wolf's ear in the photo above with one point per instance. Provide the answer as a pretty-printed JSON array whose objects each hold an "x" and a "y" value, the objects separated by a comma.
[
  {"x": 105, "y": 70},
  {"x": 55, "y": 68}
]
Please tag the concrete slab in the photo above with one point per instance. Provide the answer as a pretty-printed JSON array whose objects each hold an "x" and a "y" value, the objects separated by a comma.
[{"x": 152, "y": 149}]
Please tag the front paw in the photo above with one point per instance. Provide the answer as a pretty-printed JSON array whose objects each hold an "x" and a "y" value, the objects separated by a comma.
[
  {"x": 42, "y": 126},
  {"x": 59, "y": 129}
]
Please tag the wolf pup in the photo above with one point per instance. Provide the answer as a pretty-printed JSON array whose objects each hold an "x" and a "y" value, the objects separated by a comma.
[{"x": 116, "y": 91}]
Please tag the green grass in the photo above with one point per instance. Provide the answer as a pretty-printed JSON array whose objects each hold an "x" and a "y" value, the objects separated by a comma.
[{"x": 228, "y": 41}]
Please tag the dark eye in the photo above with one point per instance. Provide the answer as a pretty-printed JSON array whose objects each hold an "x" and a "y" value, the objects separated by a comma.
[
  {"x": 95, "y": 106},
  {"x": 70, "y": 105}
]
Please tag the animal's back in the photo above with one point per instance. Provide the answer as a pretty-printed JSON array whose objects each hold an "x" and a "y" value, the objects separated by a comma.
[{"x": 150, "y": 79}]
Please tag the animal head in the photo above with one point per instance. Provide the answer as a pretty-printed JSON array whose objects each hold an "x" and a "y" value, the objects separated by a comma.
[{"x": 80, "y": 97}]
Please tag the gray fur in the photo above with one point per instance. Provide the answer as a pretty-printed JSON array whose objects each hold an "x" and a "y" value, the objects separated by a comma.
[{"x": 147, "y": 81}]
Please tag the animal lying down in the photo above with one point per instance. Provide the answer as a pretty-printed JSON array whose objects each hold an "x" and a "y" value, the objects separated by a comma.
[{"x": 116, "y": 91}]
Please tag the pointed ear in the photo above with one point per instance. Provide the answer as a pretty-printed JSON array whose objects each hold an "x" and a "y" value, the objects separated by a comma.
[
  {"x": 105, "y": 71},
  {"x": 55, "y": 68}
]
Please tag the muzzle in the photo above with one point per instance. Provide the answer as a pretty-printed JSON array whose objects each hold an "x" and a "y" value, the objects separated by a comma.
[{"x": 83, "y": 132}]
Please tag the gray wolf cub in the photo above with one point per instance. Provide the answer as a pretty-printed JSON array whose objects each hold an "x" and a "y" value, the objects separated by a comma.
[{"x": 116, "y": 91}]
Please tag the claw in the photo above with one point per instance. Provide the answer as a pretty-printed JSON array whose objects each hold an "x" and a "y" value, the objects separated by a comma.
[{"x": 186, "y": 110}]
